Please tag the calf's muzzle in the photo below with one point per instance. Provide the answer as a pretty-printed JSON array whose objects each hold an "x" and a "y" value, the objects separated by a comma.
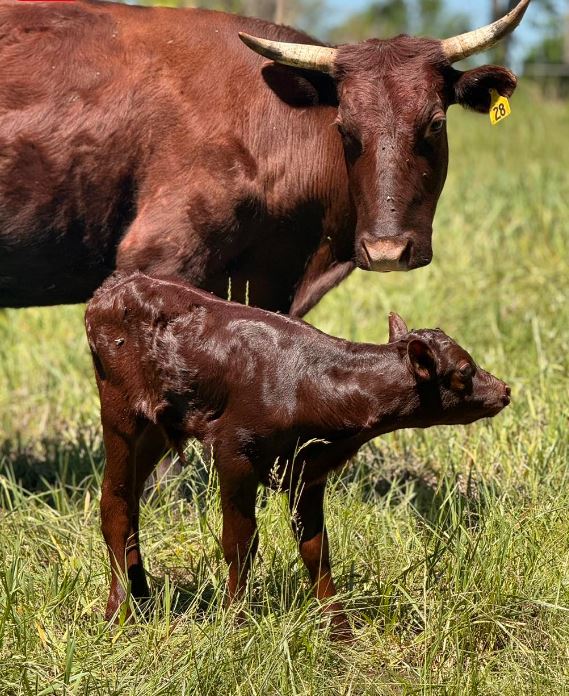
[
  {"x": 493, "y": 392},
  {"x": 502, "y": 396}
]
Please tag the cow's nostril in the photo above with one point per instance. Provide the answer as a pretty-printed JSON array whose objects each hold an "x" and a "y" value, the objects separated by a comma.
[
  {"x": 417, "y": 257},
  {"x": 508, "y": 391},
  {"x": 405, "y": 258},
  {"x": 421, "y": 261}
]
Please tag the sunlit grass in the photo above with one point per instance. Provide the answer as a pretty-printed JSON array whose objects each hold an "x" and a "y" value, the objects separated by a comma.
[{"x": 450, "y": 546}]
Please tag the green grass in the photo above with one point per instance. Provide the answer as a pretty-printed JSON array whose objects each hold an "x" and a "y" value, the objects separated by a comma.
[{"x": 450, "y": 546}]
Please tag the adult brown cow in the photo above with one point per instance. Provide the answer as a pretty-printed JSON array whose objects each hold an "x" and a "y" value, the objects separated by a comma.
[{"x": 154, "y": 139}]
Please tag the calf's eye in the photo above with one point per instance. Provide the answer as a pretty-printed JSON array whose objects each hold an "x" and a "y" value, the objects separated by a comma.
[{"x": 460, "y": 380}]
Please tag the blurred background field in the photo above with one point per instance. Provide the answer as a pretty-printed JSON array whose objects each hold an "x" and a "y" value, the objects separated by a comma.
[{"x": 450, "y": 546}]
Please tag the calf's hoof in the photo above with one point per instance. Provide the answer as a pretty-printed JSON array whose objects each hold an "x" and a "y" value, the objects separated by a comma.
[
  {"x": 119, "y": 608},
  {"x": 138, "y": 586},
  {"x": 340, "y": 629}
]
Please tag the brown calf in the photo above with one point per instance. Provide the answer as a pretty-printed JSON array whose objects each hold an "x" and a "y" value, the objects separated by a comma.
[{"x": 173, "y": 363}]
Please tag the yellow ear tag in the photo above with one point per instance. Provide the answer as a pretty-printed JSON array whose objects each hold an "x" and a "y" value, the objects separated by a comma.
[{"x": 499, "y": 107}]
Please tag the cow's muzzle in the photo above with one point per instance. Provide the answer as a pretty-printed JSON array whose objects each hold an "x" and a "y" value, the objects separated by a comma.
[{"x": 393, "y": 254}]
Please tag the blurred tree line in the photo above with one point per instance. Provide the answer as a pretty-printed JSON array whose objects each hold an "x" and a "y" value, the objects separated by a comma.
[
  {"x": 305, "y": 12},
  {"x": 552, "y": 25},
  {"x": 434, "y": 18},
  {"x": 391, "y": 17},
  {"x": 384, "y": 18}
]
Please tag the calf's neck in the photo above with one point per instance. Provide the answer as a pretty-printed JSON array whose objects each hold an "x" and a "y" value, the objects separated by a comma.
[{"x": 270, "y": 397}]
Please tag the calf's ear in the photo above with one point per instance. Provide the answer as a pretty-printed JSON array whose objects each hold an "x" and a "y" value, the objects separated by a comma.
[
  {"x": 422, "y": 360},
  {"x": 472, "y": 88},
  {"x": 397, "y": 327}
]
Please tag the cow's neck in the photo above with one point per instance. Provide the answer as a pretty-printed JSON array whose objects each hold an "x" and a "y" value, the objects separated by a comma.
[{"x": 301, "y": 186}]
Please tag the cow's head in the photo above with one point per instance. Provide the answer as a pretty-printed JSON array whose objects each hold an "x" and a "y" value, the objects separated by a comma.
[{"x": 392, "y": 99}]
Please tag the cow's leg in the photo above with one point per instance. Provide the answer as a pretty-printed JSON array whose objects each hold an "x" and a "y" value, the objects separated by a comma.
[
  {"x": 307, "y": 516},
  {"x": 239, "y": 536},
  {"x": 162, "y": 240}
]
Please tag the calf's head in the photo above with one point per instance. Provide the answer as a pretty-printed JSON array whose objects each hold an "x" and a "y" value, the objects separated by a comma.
[
  {"x": 392, "y": 99},
  {"x": 452, "y": 388}
]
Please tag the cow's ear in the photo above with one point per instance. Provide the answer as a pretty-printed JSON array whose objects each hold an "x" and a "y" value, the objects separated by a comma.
[
  {"x": 422, "y": 360},
  {"x": 299, "y": 87},
  {"x": 472, "y": 88}
]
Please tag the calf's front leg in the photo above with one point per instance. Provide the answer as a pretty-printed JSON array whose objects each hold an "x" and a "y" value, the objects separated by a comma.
[{"x": 307, "y": 515}]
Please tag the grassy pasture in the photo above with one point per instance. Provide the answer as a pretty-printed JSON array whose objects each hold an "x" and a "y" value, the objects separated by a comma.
[{"x": 450, "y": 546}]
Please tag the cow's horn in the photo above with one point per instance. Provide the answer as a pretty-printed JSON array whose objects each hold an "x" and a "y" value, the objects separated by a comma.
[
  {"x": 464, "y": 45},
  {"x": 307, "y": 56}
]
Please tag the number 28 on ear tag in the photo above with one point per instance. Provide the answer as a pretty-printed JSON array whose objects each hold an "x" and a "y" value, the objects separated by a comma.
[{"x": 499, "y": 107}]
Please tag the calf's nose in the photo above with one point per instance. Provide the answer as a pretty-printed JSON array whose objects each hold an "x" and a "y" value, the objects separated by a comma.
[{"x": 506, "y": 396}]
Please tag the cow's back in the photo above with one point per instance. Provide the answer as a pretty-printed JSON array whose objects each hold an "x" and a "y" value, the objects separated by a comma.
[{"x": 68, "y": 144}]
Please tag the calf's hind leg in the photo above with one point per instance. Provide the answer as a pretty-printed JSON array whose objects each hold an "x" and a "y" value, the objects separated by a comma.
[
  {"x": 307, "y": 515},
  {"x": 239, "y": 536},
  {"x": 151, "y": 446},
  {"x": 132, "y": 447}
]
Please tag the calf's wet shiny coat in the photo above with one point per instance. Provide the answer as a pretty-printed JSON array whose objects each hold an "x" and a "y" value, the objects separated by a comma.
[{"x": 271, "y": 397}]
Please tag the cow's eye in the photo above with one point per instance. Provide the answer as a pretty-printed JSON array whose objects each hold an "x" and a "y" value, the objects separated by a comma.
[
  {"x": 436, "y": 126},
  {"x": 352, "y": 145}
]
